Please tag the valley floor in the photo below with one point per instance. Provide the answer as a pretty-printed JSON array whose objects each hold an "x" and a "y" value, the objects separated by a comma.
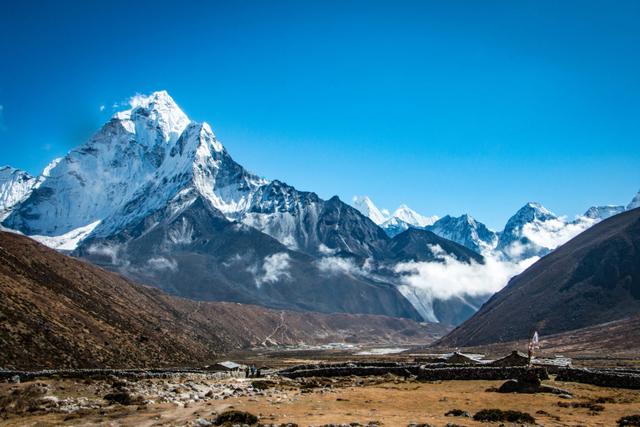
[{"x": 191, "y": 400}]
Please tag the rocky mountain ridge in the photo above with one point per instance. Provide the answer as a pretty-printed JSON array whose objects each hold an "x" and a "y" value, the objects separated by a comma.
[{"x": 533, "y": 231}]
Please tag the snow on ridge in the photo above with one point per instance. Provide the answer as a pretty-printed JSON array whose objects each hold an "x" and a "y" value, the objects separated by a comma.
[
  {"x": 603, "y": 212},
  {"x": 402, "y": 215}
]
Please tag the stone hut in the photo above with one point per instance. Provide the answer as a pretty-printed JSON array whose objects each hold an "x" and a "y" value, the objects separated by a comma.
[
  {"x": 514, "y": 359},
  {"x": 461, "y": 359},
  {"x": 226, "y": 366}
]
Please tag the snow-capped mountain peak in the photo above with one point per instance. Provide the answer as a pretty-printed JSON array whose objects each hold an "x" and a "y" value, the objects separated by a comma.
[
  {"x": 392, "y": 223},
  {"x": 408, "y": 215},
  {"x": 466, "y": 231},
  {"x": 515, "y": 239},
  {"x": 157, "y": 110},
  {"x": 96, "y": 179},
  {"x": 394, "y": 226},
  {"x": 197, "y": 164},
  {"x": 402, "y": 217},
  {"x": 532, "y": 211},
  {"x": 536, "y": 231},
  {"x": 635, "y": 202},
  {"x": 538, "y": 209},
  {"x": 367, "y": 208}
]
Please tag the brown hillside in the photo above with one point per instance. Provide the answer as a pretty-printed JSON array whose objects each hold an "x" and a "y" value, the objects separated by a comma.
[{"x": 59, "y": 312}]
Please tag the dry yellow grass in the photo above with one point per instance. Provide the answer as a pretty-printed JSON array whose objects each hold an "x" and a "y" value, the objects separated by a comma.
[{"x": 392, "y": 403}]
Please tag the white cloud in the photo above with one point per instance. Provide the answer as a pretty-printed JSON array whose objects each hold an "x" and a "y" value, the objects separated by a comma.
[
  {"x": 326, "y": 250},
  {"x": 106, "y": 250},
  {"x": 163, "y": 264},
  {"x": 336, "y": 265},
  {"x": 450, "y": 277},
  {"x": 515, "y": 250},
  {"x": 102, "y": 108},
  {"x": 274, "y": 268},
  {"x": 331, "y": 265},
  {"x": 139, "y": 100},
  {"x": 235, "y": 259},
  {"x": 555, "y": 232}
]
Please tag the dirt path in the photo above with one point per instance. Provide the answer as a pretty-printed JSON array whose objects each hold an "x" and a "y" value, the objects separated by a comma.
[{"x": 281, "y": 326}]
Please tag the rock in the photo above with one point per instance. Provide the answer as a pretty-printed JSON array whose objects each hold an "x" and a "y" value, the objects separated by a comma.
[
  {"x": 123, "y": 398},
  {"x": 515, "y": 386},
  {"x": 554, "y": 390},
  {"x": 529, "y": 382},
  {"x": 457, "y": 413},
  {"x": 235, "y": 417},
  {"x": 629, "y": 420},
  {"x": 529, "y": 377},
  {"x": 497, "y": 415},
  {"x": 119, "y": 384}
]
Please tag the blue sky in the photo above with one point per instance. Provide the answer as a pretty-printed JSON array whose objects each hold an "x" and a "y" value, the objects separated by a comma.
[{"x": 448, "y": 106}]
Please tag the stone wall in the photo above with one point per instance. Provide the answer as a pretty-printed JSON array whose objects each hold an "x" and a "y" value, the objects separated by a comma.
[
  {"x": 481, "y": 373},
  {"x": 382, "y": 364},
  {"x": 422, "y": 372},
  {"x": 603, "y": 378},
  {"x": 103, "y": 373}
]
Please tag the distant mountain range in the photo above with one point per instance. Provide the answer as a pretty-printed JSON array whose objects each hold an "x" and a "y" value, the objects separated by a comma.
[
  {"x": 591, "y": 280},
  {"x": 156, "y": 197},
  {"x": 392, "y": 223},
  {"x": 532, "y": 231}
]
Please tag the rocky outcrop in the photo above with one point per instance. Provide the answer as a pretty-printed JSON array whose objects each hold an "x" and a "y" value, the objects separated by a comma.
[{"x": 529, "y": 382}]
